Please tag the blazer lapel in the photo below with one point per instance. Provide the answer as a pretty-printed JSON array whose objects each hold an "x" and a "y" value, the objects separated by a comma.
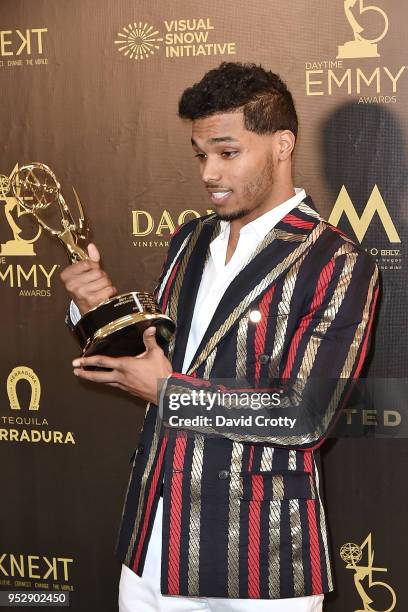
[
  {"x": 279, "y": 250},
  {"x": 188, "y": 280}
]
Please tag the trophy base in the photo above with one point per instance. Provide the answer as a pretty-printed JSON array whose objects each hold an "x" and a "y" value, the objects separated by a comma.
[
  {"x": 357, "y": 48},
  {"x": 17, "y": 247},
  {"x": 115, "y": 328}
]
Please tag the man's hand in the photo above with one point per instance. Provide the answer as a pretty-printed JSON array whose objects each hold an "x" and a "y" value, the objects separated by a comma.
[
  {"x": 87, "y": 284},
  {"x": 137, "y": 375}
]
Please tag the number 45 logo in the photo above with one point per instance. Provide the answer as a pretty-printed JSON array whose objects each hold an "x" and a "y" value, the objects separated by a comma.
[{"x": 353, "y": 554}]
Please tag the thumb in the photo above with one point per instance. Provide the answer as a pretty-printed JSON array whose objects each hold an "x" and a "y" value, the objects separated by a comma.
[
  {"x": 149, "y": 339},
  {"x": 93, "y": 252}
]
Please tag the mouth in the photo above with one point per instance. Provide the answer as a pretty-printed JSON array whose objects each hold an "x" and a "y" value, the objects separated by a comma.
[{"x": 219, "y": 197}]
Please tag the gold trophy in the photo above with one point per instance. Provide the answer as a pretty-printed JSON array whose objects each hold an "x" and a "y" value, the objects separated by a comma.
[{"x": 116, "y": 326}]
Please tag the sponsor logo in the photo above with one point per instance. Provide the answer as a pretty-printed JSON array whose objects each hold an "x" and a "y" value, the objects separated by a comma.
[
  {"x": 370, "y": 591},
  {"x": 372, "y": 417},
  {"x": 388, "y": 255},
  {"x": 177, "y": 38},
  {"x": 138, "y": 40},
  {"x": 33, "y": 571},
  {"x": 375, "y": 204},
  {"x": 23, "y": 428},
  {"x": 23, "y": 373},
  {"x": 22, "y": 47},
  {"x": 151, "y": 231}
]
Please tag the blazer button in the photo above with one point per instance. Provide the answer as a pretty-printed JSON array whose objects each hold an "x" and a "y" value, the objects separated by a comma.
[
  {"x": 140, "y": 449},
  {"x": 223, "y": 474},
  {"x": 264, "y": 358}
]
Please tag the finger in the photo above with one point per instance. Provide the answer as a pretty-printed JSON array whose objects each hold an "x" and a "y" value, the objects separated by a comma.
[
  {"x": 92, "y": 275},
  {"x": 149, "y": 339},
  {"x": 103, "y": 295},
  {"x": 93, "y": 252},
  {"x": 101, "y": 361},
  {"x": 82, "y": 281},
  {"x": 95, "y": 376},
  {"x": 98, "y": 284},
  {"x": 79, "y": 268},
  {"x": 89, "y": 291},
  {"x": 94, "y": 298}
]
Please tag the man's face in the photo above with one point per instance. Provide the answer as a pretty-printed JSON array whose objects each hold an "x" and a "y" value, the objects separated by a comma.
[{"x": 237, "y": 166}]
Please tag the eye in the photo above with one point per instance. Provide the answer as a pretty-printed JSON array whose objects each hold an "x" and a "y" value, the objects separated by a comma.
[
  {"x": 229, "y": 154},
  {"x": 200, "y": 156}
]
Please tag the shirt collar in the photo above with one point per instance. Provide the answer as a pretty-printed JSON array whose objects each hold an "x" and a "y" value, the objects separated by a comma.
[{"x": 262, "y": 225}]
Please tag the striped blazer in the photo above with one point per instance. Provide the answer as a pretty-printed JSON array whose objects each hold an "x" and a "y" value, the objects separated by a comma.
[{"x": 243, "y": 515}]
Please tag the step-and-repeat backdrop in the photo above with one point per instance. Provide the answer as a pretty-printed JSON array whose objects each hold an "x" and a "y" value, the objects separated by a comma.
[{"x": 91, "y": 89}]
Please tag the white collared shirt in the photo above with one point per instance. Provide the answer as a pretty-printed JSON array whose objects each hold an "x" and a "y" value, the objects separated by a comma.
[{"x": 217, "y": 276}]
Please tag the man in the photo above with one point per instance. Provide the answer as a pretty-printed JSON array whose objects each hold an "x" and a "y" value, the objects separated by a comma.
[{"x": 263, "y": 290}]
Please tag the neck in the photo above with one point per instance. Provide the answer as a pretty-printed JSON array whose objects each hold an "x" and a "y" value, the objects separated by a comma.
[
  {"x": 280, "y": 194},
  {"x": 277, "y": 197}
]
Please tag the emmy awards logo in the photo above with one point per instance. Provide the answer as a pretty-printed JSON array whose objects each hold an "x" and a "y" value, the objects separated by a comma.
[
  {"x": 352, "y": 554},
  {"x": 360, "y": 46},
  {"x": 23, "y": 373},
  {"x": 13, "y": 211}
]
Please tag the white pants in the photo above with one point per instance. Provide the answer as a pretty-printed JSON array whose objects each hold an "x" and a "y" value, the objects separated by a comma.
[{"x": 142, "y": 594}]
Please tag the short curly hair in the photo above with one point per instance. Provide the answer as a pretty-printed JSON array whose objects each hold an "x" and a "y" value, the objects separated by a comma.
[{"x": 263, "y": 97}]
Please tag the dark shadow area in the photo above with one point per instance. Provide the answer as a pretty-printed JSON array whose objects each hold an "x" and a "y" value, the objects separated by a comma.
[{"x": 363, "y": 147}]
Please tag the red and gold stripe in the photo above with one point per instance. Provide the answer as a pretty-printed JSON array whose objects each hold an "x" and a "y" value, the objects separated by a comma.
[{"x": 175, "y": 514}]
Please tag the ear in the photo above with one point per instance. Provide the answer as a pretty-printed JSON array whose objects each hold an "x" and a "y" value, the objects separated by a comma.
[{"x": 286, "y": 142}]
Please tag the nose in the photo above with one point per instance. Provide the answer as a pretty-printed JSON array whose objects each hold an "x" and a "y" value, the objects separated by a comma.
[{"x": 210, "y": 171}]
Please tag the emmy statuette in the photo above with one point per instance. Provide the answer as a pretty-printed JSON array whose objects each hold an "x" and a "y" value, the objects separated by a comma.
[{"x": 116, "y": 326}]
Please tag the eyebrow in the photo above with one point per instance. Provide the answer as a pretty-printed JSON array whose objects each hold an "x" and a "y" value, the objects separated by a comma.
[{"x": 215, "y": 140}]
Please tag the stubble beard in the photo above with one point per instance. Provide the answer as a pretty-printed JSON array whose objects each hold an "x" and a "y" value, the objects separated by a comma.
[{"x": 256, "y": 190}]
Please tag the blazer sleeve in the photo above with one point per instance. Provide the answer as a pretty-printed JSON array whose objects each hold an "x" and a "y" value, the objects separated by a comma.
[{"x": 324, "y": 356}]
